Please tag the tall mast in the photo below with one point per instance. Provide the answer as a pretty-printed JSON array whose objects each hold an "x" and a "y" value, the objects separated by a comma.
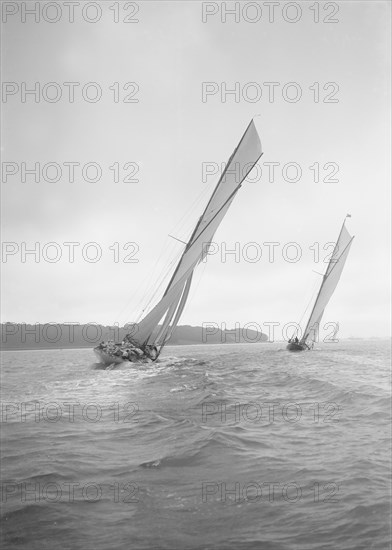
[
  {"x": 170, "y": 306},
  {"x": 189, "y": 243}
]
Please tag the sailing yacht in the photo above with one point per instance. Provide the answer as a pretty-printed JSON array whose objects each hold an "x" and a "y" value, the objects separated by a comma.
[
  {"x": 150, "y": 335},
  {"x": 327, "y": 288}
]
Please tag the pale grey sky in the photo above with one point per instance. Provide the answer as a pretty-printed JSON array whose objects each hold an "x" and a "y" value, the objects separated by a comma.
[{"x": 170, "y": 132}]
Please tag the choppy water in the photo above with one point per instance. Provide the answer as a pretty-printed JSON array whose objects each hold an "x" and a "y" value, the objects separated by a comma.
[{"x": 227, "y": 446}]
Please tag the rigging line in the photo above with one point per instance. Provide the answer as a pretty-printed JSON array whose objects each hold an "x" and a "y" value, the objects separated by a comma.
[
  {"x": 224, "y": 204},
  {"x": 180, "y": 223},
  {"x": 136, "y": 291},
  {"x": 177, "y": 228},
  {"x": 164, "y": 250},
  {"x": 167, "y": 264},
  {"x": 310, "y": 301},
  {"x": 159, "y": 287},
  {"x": 147, "y": 305},
  {"x": 227, "y": 166},
  {"x": 136, "y": 307},
  {"x": 179, "y": 240},
  {"x": 192, "y": 240},
  {"x": 315, "y": 285},
  {"x": 173, "y": 256},
  {"x": 295, "y": 331}
]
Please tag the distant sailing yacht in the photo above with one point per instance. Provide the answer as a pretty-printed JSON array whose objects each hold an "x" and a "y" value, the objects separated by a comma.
[
  {"x": 327, "y": 288},
  {"x": 147, "y": 339}
]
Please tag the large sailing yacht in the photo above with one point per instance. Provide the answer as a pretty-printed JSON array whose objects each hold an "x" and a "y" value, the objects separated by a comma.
[
  {"x": 150, "y": 335},
  {"x": 327, "y": 288}
]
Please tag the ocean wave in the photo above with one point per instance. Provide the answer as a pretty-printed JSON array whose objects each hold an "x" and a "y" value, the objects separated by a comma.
[{"x": 167, "y": 449}]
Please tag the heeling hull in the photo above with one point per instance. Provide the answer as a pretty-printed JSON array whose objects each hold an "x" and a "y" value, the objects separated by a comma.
[
  {"x": 107, "y": 359},
  {"x": 296, "y": 347}
]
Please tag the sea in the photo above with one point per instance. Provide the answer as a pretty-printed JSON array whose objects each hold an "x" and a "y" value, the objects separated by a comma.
[{"x": 232, "y": 446}]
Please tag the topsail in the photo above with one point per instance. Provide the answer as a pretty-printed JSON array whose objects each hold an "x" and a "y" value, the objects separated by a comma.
[{"x": 169, "y": 308}]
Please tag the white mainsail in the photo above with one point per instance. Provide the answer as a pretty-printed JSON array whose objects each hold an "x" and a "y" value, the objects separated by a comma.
[
  {"x": 243, "y": 159},
  {"x": 330, "y": 280}
]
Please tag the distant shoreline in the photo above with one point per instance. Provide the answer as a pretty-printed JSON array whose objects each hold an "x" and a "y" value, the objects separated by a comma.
[
  {"x": 20, "y": 336},
  {"x": 198, "y": 344},
  {"x": 167, "y": 346}
]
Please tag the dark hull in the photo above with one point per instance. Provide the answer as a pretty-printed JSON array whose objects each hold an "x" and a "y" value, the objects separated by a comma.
[
  {"x": 108, "y": 359},
  {"x": 296, "y": 347}
]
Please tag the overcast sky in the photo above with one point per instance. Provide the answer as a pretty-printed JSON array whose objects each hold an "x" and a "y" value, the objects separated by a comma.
[{"x": 170, "y": 132}]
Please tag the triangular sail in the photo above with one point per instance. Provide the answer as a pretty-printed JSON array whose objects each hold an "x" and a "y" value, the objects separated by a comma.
[
  {"x": 165, "y": 334},
  {"x": 243, "y": 159},
  {"x": 330, "y": 281}
]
